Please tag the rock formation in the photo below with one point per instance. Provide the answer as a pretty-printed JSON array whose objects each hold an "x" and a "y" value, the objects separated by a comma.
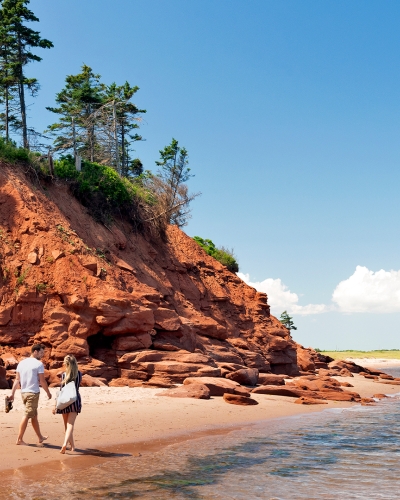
[{"x": 133, "y": 310}]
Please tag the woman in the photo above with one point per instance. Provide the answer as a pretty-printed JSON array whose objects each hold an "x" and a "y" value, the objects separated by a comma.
[{"x": 70, "y": 412}]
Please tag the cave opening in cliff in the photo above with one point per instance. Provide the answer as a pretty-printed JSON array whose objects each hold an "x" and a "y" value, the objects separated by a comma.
[{"x": 99, "y": 341}]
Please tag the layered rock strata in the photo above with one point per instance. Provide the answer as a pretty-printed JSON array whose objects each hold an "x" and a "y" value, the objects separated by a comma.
[{"x": 133, "y": 310}]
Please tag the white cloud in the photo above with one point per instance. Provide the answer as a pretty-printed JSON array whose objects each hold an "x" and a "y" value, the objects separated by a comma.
[
  {"x": 365, "y": 291},
  {"x": 280, "y": 298},
  {"x": 368, "y": 291}
]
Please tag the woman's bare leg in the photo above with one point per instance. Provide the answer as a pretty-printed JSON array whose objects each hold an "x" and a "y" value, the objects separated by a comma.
[
  {"x": 65, "y": 420},
  {"x": 69, "y": 433}
]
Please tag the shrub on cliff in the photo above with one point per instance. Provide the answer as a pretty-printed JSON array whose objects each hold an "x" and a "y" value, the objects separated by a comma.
[
  {"x": 95, "y": 178},
  {"x": 104, "y": 191},
  {"x": 10, "y": 152},
  {"x": 222, "y": 254}
]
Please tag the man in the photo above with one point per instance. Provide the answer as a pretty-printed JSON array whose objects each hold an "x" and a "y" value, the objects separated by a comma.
[{"x": 30, "y": 374}]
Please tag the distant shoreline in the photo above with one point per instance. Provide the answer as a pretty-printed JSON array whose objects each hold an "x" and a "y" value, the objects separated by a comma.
[
  {"x": 379, "y": 355},
  {"x": 377, "y": 362}
]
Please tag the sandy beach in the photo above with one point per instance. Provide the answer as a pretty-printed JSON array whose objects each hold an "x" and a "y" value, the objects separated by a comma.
[{"x": 132, "y": 420}]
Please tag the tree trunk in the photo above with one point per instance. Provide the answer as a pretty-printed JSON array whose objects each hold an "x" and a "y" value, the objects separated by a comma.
[
  {"x": 92, "y": 143},
  {"x": 6, "y": 117},
  {"x": 124, "y": 169},
  {"x": 21, "y": 92},
  {"x": 116, "y": 137},
  {"x": 23, "y": 115},
  {"x": 74, "y": 136},
  {"x": 7, "y": 110}
]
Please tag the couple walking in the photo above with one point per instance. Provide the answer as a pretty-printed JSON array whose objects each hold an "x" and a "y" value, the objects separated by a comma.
[{"x": 29, "y": 377}]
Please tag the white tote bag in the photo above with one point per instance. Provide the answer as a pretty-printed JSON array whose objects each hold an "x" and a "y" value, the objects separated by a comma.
[{"x": 66, "y": 396}]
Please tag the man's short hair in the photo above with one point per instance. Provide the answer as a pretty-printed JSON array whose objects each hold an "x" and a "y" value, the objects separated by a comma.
[{"x": 37, "y": 347}]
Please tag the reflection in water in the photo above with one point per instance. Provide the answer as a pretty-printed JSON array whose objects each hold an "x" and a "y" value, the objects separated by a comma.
[{"x": 352, "y": 454}]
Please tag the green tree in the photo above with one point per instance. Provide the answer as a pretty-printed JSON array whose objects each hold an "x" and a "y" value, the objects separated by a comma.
[
  {"x": 75, "y": 131},
  {"x": 134, "y": 168},
  {"x": 20, "y": 40},
  {"x": 171, "y": 186},
  {"x": 8, "y": 82},
  {"x": 124, "y": 123},
  {"x": 96, "y": 121},
  {"x": 287, "y": 321}
]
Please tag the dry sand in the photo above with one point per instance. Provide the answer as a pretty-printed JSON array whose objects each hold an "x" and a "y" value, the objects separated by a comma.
[{"x": 128, "y": 420}]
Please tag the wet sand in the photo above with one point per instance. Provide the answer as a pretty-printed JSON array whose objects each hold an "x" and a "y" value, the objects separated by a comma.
[{"x": 120, "y": 421}]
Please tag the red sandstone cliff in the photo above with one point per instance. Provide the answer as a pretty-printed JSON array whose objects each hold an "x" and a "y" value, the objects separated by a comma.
[{"x": 130, "y": 309}]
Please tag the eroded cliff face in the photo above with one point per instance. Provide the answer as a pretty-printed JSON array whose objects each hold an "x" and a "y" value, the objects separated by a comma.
[{"x": 132, "y": 310}]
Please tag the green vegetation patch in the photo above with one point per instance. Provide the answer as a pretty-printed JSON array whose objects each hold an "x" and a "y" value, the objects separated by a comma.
[
  {"x": 384, "y": 354},
  {"x": 223, "y": 255},
  {"x": 101, "y": 188},
  {"x": 10, "y": 152},
  {"x": 96, "y": 178}
]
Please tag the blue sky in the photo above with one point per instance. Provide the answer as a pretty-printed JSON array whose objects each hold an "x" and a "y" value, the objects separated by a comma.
[{"x": 290, "y": 113}]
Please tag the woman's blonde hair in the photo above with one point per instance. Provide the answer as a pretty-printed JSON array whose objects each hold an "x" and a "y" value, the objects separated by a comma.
[{"x": 71, "y": 368}]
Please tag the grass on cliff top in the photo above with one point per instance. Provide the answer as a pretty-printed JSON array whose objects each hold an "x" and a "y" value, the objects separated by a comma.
[
  {"x": 381, "y": 354},
  {"x": 223, "y": 255}
]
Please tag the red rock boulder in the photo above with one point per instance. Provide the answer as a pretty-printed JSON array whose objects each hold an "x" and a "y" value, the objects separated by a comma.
[
  {"x": 278, "y": 391},
  {"x": 235, "y": 399},
  {"x": 309, "y": 401},
  {"x": 132, "y": 342},
  {"x": 196, "y": 391},
  {"x": 3, "y": 378},
  {"x": 88, "y": 381},
  {"x": 217, "y": 386},
  {"x": 245, "y": 376},
  {"x": 271, "y": 379}
]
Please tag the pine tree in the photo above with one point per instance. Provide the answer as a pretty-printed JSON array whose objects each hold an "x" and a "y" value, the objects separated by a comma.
[
  {"x": 171, "y": 188},
  {"x": 20, "y": 39},
  {"x": 82, "y": 95},
  {"x": 287, "y": 321},
  {"x": 8, "y": 82},
  {"x": 126, "y": 116},
  {"x": 97, "y": 121},
  {"x": 134, "y": 168}
]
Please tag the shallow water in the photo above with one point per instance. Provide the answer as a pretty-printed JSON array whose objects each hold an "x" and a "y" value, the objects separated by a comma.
[
  {"x": 395, "y": 371},
  {"x": 345, "y": 453}
]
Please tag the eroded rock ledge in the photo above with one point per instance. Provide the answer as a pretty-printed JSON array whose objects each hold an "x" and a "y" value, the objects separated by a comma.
[{"x": 132, "y": 310}]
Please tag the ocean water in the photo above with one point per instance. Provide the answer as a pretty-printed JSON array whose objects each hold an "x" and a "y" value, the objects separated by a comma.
[{"x": 349, "y": 453}]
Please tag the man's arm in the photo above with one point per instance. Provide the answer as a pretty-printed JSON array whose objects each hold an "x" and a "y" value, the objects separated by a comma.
[
  {"x": 16, "y": 385},
  {"x": 43, "y": 383}
]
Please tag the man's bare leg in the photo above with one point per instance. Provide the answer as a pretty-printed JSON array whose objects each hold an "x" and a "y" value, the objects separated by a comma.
[
  {"x": 22, "y": 428},
  {"x": 36, "y": 428}
]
